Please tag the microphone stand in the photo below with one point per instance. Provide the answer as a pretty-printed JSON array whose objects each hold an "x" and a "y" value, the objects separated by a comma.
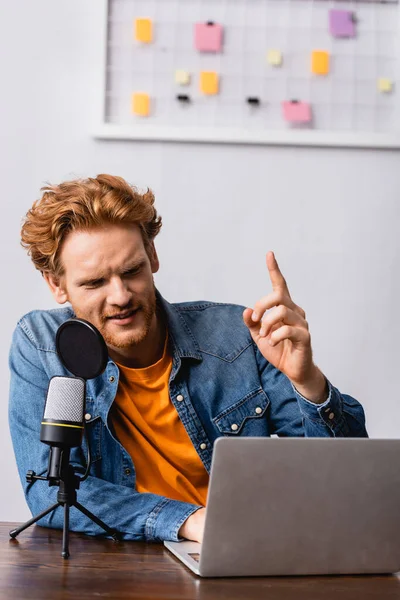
[{"x": 68, "y": 483}]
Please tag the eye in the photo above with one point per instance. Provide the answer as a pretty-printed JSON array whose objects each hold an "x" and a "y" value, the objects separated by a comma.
[
  {"x": 93, "y": 284},
  {"x": 131, "y": 272}
]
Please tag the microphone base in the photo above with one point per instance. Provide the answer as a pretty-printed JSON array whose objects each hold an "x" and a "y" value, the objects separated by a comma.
[{"x": 67, "y": 497}]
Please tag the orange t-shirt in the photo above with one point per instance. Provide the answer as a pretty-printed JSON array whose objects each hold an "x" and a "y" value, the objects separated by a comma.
[{"x": 148, "y": 426}]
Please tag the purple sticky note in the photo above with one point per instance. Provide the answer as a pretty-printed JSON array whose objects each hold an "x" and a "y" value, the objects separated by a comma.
[
  {"x": 296, "y": 112},
  {"x": 341, "y": 23},
  {"x": 208, "y": 37}
]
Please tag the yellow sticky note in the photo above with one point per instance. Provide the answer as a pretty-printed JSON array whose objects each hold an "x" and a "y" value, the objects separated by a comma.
[
  {"x": 182, "y": 77},
  {"x": 144, "y": 30},
  {"x": 141, "y": 104},
  {"x": 274, "y": 58},
  {"x": 209, "y": 82},
  {"x": 320, "y": 62},
  {"x": 385, "y": 85}
]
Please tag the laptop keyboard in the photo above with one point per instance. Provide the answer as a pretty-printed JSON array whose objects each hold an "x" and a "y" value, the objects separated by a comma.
[{"x": 195, "y": 556}]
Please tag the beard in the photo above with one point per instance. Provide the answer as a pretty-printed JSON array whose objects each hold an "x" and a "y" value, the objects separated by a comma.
[{"x": 146, "y": 311}]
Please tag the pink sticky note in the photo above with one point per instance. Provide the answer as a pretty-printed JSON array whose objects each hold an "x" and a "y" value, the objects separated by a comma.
[
  {"x": 208, "y": 37},
  {"x": 341, "y": 23},
  {"x": 296, "y": 112}
]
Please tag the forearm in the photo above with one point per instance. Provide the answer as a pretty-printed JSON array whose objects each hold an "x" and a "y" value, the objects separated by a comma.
[
  {"x": 326, "y": 411},
  {"x": 339, "y": 416},
  {"x": 293, "y": 414},
  {"x": 138, "y": 516}
]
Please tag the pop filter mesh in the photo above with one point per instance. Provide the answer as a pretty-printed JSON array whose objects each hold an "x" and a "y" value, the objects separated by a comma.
[{"x": 81, "y": 348}]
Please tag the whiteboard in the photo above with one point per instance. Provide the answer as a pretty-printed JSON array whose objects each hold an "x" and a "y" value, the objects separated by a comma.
[{"x": 347, "y": 107}]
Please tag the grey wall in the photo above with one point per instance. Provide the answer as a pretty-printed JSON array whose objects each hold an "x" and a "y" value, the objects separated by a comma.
[{"x": 331, "y": 215}]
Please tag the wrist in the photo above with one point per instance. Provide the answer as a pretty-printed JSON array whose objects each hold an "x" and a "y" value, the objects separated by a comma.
[{"x": 314, "y": 388}]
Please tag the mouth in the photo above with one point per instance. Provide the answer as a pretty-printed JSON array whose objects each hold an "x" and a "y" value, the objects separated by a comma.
[{"x": 127, "y": 316}]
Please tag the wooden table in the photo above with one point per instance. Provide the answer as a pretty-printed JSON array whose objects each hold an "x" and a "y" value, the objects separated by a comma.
[{"x": 31, "y": 568}]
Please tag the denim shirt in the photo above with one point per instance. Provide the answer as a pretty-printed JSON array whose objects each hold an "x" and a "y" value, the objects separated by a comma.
[{"x": 220, "y": 385}]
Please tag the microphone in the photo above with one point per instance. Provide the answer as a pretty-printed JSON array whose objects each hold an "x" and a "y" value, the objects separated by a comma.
[
  {"x": 63, "y": 422},
  {"x": 83, "y": 351}
]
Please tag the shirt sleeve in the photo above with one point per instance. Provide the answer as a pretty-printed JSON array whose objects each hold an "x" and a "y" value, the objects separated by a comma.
[
  {"x": 138, "y": 516},
  {"x": 291, "y": 414},
  {"x": 340, "y": 414}
]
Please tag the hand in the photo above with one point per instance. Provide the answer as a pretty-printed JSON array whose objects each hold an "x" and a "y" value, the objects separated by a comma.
[
  {"x": 282, "y": 335},
  {"x": 193, "y": 527}
]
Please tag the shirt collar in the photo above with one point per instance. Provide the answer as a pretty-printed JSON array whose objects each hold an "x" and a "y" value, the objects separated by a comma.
[{"x": 182, "y": 341}]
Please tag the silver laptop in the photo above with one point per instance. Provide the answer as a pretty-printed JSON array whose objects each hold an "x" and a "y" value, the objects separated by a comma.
[{"x": 297, "y": 506}]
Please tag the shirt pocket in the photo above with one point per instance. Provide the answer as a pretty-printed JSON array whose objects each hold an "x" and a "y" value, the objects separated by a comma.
[{"x": 246, "y": 417}]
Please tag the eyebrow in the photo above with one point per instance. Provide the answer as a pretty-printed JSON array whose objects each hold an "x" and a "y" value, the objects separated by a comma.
[{"x": 133, "y": 266}]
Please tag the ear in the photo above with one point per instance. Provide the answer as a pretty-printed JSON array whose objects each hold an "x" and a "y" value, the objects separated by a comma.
[
  {"x": 155, "y": 263},
  {"x": 57, "y": 288}
]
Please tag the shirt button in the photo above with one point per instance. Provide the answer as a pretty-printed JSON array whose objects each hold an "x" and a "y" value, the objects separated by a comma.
[
  {"x": 234, "y": 427},
  {"x": 88, "y": 416},
  {"x": 111, "y": 379},
  {"x": 179, "y": 397},
  {"x": 203, "y": 446},
  {"x": 332, "y": 416},
  {"x": 258, "y": 410},
  {"x": 127, "y": 471}
]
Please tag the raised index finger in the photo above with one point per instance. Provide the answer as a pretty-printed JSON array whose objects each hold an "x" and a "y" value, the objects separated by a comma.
[{"x": 277, "y": 279}]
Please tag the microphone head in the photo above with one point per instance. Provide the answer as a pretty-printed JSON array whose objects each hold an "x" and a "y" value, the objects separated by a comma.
[
  {"x": 63, "y": 419},
  {"x": 81, "y": 348}
]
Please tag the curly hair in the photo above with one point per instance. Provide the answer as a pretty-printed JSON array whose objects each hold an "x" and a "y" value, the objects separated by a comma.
[{"x": 80, "y": 205}]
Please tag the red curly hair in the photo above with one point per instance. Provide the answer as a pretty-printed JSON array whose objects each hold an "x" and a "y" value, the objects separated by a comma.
[{"x": 82, "y": 204}]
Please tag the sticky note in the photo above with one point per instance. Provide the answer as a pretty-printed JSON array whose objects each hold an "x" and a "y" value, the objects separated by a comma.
[
  {"x": 385, "y": 85},
  {"x": 274, "y": 58},
  {"x": 296, "y": 112},
  {"x": 342, "y": 23},
  {"x": 209, "y": 83},
  {"x": 144, "y": 30},
  {"x": 182, "y": 77},
  {"x": 208, "y": 37},
  {"x": 320, "y": 62},
  {"x": 141, "y": 104}
]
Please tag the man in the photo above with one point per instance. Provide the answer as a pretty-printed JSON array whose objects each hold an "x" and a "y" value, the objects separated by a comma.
[{"x": 178, "y": 375}]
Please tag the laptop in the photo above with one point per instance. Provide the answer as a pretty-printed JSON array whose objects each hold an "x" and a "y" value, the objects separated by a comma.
[{"x": 299, "y": 506}]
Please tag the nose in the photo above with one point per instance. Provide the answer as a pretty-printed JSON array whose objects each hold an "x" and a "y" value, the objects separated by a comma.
[{"x": 119, "y": 294}]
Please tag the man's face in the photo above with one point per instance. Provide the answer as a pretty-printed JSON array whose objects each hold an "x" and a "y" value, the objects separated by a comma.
[{"x": 108, "y": 279}]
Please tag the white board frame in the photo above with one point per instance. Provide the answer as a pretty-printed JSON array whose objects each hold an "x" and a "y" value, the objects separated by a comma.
[{"x": 107, "y": 131}]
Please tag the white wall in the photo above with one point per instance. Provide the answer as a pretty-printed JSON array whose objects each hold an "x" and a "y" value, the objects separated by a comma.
[{"x": 331, "y": 215}]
